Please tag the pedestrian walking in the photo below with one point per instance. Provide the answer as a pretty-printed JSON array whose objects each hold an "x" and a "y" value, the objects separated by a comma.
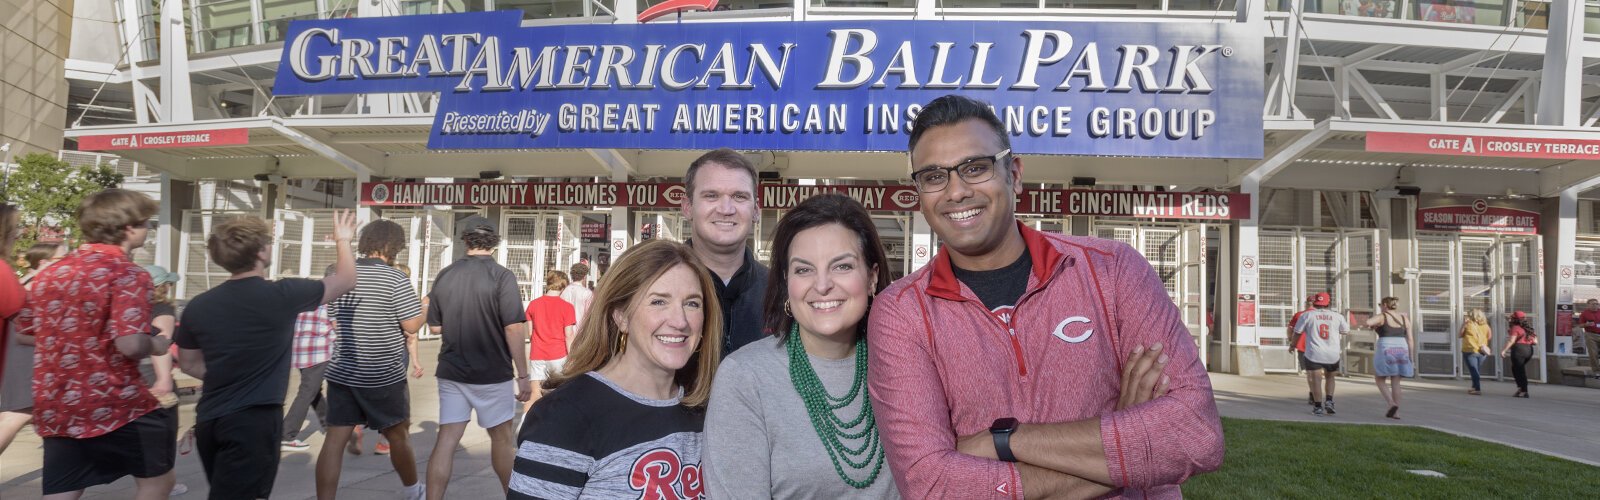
[
  {"x": 16, "y": 351},
  {"x": 313, "y": 336},
  {"x": 1475, "y": 346},
  {"x": 157, "y": 369},
  {"x": 1392, "y": 359},
  {"x": 1520, "y": 342},
  {"x": 89, "y": 316},
  {"x": 626, "y": 414},
  {"x": 366, "y": 377},
  {"x": 1299, "y": 343},
  {"x": 238, "y": 338},
  {"x": 1324, "y": 330},
  {"x": 578, "y": 294},
  {"x": 1589, "y": 320},
  {"x": 551, "y": 318},
  {"x": 476, "y": 308}
]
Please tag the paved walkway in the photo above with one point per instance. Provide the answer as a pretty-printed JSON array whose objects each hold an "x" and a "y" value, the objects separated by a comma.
[{"x": 1557, "y": 420}]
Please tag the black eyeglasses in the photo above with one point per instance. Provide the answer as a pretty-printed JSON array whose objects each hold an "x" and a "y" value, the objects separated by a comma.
[{"x": 973, "y": 171}]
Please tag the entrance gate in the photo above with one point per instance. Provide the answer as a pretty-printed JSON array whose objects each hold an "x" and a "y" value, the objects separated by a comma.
[
  {"x": 538, "y": 241},
  {"x": 1495, "y": 274},
  {"x": 1296, "y": 262},
  {"x": 1178, "y": 254}
]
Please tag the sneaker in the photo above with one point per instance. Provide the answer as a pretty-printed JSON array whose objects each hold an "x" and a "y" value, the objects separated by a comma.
[
  {"x": 295, "y": 445},
  {"x": 414, "y": 492},
  {"x": 1328, "y": 405},
  {"x": 178, "y": 489},
  {"x": 382, "y": 449},
  {"x": 1311, "y": 399},
  {"x": 1318, "y": 411}
]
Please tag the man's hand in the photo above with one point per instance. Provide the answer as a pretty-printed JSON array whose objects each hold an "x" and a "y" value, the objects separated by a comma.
[
  {"x": 979, "y": 445},
  {"x": 1142, "y": 377},
  {"x": 524, "y": 390},
  {"x": 344, "y": 225},
  {"x": 416, "y": 369}
]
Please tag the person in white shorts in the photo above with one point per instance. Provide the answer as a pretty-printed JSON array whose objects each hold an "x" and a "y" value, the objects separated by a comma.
[
  {"x": 476, "y": 308},
  {"x": 551, "y": 318},
  {"x": 1324, "y": 330}
]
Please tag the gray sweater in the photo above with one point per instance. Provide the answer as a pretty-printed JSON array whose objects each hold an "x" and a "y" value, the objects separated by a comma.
[{"x": 759, "y": 439}]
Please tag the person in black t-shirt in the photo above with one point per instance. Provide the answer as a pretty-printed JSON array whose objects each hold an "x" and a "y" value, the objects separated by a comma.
[
  {"x": 237, "y": 338},
  {"x": 476, "y": 308},
  {"x": 721, "y": 208}
]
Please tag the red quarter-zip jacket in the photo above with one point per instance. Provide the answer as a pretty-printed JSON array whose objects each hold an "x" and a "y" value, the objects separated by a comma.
[{"x": 941, "y": 366}]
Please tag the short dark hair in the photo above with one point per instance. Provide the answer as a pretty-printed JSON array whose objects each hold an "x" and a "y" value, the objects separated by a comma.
[
  {"x": 817, "y": 211},
  {"x": 383, "y": 237},
  {"x": 236, "y": 243},
  {"x": 480, "y": 238},
  {"x": 725, "y": 157},
  {"x": 952, "y": 109},
  {"x": 39, "y": 253},
  {"x": 102, "y": 216},
  {"x": 579, "y": 271}
]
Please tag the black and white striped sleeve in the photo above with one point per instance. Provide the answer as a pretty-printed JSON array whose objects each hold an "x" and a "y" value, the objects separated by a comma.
[{"x": 553, "y": 461}]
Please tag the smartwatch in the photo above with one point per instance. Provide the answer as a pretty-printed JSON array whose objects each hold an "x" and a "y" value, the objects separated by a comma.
[{"x": 1001, "y": 430}]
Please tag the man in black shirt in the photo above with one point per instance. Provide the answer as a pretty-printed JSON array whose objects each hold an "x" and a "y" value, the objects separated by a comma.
[
  {"x": 721, "y": 206},
  {"x": 476, "y": 309},
  {"x": 237, "y": 338}
]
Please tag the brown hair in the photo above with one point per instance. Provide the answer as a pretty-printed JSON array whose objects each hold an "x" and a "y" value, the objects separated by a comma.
[
  {"x": 236, "y": 243},
  {"x": 727, "y": 158},
  {"x": 598, "y": 342},
  {"x": 382, "y": 237},
  {"x": 161, "y": 294},
  {"x": 554, "y": 281},
  {"x": 10, "y": 218},
  {"x": 38, "y": 253},
  {"x": 819, "y": 211},
  {"x": 104, "y": 215}
]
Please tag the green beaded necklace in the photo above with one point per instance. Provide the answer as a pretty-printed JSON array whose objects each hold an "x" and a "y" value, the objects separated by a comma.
[{"x": 833, "y": 430}]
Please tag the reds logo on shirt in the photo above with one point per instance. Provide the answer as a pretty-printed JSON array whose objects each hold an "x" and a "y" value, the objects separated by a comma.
[
  {"x": 661, "y": 474},
  {"x": 1003, "y": 313}
]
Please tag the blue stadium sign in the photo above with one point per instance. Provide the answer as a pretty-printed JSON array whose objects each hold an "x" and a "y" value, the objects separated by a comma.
[{"x": 1106, "y": 88}]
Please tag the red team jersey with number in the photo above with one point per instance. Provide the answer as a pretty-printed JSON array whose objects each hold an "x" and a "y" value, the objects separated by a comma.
[{"x": 1323, "y": 330}]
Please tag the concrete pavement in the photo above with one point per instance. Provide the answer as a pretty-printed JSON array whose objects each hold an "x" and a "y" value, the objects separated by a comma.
[{"x": 1557, "y": 420}]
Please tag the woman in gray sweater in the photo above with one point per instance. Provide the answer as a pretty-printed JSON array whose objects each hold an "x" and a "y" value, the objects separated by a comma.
[{"x": 789, "y": 415}]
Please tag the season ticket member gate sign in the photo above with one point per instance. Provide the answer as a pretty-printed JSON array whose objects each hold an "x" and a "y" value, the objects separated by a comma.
[{"x": 1109, "y": 88}]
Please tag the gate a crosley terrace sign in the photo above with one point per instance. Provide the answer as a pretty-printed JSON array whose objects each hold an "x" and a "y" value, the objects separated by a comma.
[{"x": 1107, "y": 88}]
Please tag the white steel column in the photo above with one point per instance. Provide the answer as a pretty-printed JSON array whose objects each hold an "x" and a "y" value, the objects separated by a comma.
[
  {"x": 1561, "y": 82},
  {"x": 167, "y": 234},
  {"x": 1247, "y": 273},
  {"x": 627, "y": 11},
  {"x": 921, "y": 241},
  {"x": 363, "y": 212},
  {"x": 1563, "y": 273},
  {"x": 177, "y": 105}
]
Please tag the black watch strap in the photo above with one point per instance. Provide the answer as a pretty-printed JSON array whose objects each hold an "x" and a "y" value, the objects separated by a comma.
[{"x": 1002, "y": 446}]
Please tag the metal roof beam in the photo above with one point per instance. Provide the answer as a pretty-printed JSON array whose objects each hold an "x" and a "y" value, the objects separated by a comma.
[
  {"x": 358, "y": 160},
  {"x": 1282, "y": 157},
  {"x": 614, "y": 162},
  {"x": 1370, "y": 95},
  {"x": 1367, "y": 54},
  {"x": 1510, "y": 100}
]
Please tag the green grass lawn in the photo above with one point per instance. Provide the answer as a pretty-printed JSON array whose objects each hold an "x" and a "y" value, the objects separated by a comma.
[{"x": 1268, "y": 459}]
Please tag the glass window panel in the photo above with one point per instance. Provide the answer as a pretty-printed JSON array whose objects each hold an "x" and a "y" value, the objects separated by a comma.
[
  {"x": 223, "y": 24},
  {"x": 452, "y": 6},
  {"x": 1102, "y": 4},
  {"x": 1479, "y": 12},
  {"x": 1222, "y": 5},
  {"x": 543, "y": 9},
  {"x": 901, "y": 4}
]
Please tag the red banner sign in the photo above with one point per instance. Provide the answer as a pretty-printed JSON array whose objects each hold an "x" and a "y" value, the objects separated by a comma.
[
  {"x": 154, "y": 140},
  {"x": 1159, "y": 205},
  {"x": 1478, "y": 145},
  {"x": 1475, "y": 215}
]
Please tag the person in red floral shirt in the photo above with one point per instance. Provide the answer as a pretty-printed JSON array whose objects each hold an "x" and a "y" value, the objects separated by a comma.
[{"x": 89, "y": 315}]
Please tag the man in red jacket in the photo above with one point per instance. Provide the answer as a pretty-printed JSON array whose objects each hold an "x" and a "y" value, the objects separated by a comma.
[{"x": 1022, "y": 388}]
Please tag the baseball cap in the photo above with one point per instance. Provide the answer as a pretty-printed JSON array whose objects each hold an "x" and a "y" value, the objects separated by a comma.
[
  {"x": 1519, "y": 315},
  {"x": 160, "y": 275},
  {"x": 1321, "y": 299}
]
